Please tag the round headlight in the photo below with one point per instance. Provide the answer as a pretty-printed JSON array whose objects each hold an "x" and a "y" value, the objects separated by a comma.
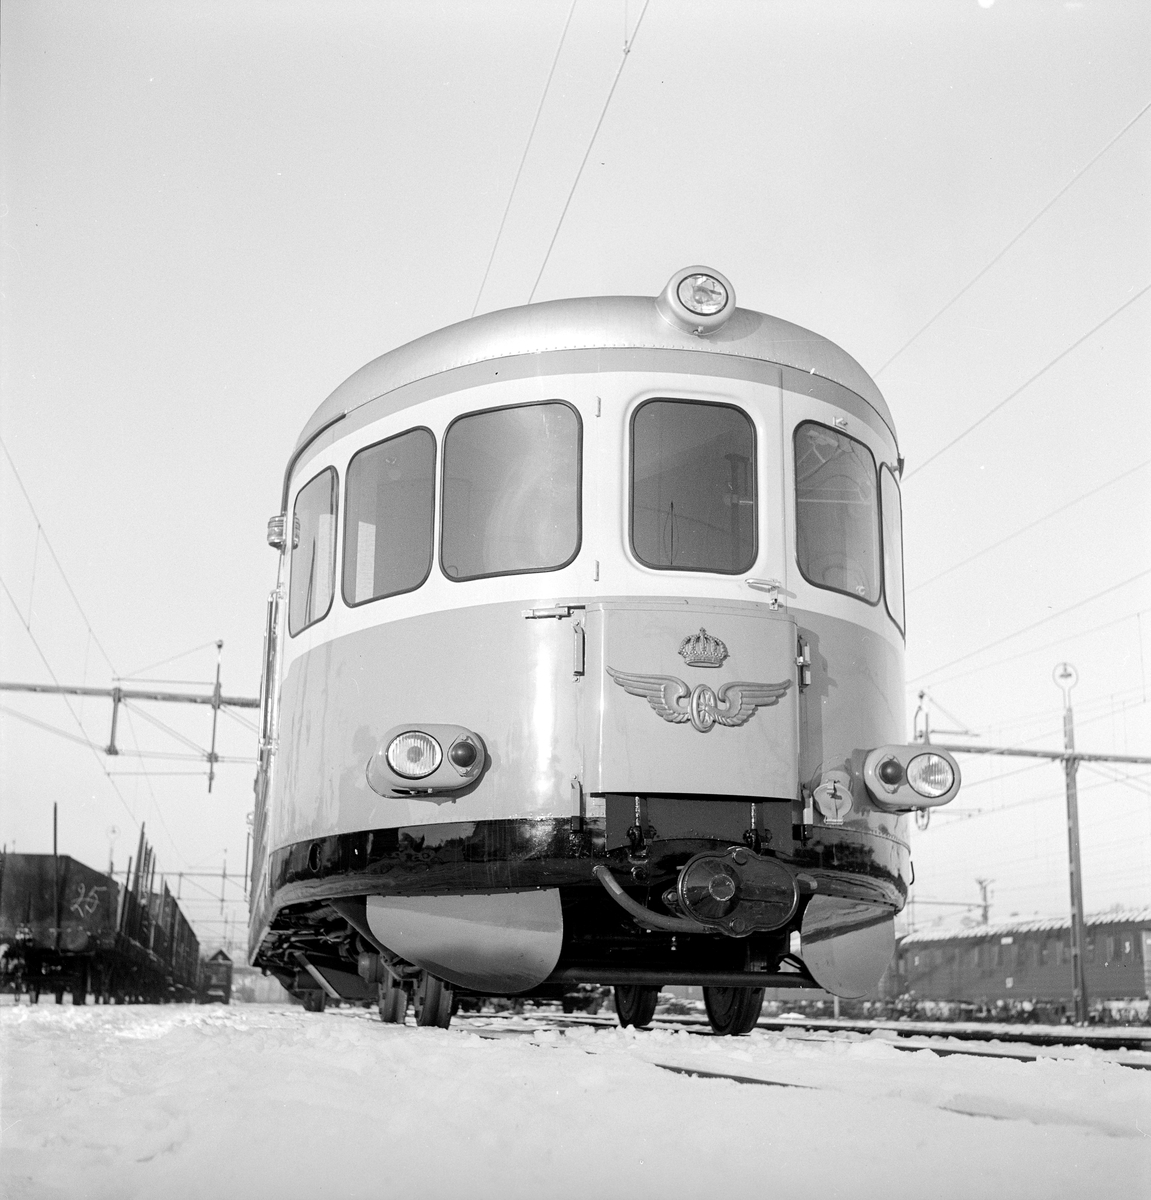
[
  {"x": 702, "y": 294},
  {"x": 414, "y": 755},
  {"x": 930, "y": 775}
]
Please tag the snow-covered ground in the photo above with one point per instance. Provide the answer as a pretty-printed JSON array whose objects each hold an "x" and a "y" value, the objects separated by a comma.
[{"x": 269, "y": 1101}]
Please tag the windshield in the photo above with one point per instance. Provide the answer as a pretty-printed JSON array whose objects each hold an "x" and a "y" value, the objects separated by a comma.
[
  {"x": 837, "y": 512},
  {"x": 313, "y": 552},
  {"x": 388, "y": 526},
  {"x": 511, "y": 491},
  {"x": 693, "y": 487}
]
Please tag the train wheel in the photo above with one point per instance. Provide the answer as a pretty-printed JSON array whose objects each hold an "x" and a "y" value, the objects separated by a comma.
[
  {"x": 733, "y": 1010},
  {"x": 393, "y": 1002},
  {"x": 314, "y": 1001},
  {"x": 635, "y": 1005},
  {"x": 432, "y": 1001}
]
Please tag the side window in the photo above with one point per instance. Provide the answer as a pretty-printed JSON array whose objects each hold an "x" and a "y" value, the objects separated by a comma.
[
  {"x": 837, "y": 512},
  {"x": 313, "y": 552},
  {"x": 891, "y": 506},
  {"x": 390, "y": 511},
  {"x": 511, "y": 499},
  {"x": 693, "y": 501}
]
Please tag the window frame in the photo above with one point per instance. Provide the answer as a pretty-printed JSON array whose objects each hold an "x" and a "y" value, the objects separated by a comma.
[
  {"x": 883, "y": 551},
  {"x": 631, "y": 484},
  {"x": 878, "y": 515},
  {"x": 479, "y": 412},
  {"x": 336, "y": 563},
  {"x": 348, "y": 508}
]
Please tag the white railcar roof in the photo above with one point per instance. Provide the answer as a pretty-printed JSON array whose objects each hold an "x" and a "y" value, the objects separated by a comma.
[
  {"x": 1127, "y": 916},
  {"x": 594, "y": 323}
]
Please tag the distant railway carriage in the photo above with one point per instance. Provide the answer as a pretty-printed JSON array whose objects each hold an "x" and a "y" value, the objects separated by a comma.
[
  {"x": 216, "y": 979},
  {"x": 1026, "y": 960},
  {"x": 66, "y": 928},
  {"x": 585, "y": 665}
]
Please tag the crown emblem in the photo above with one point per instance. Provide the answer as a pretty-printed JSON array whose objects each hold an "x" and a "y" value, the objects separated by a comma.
[{"x": 702, "y": 650}]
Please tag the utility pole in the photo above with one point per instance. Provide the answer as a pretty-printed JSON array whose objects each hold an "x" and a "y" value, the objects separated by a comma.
[
  {"x": 122, "y": 695},
  {"x": 215, "y": 716},
  {"x": 1066, "y": 677},
  {"x": 984, "y": 904}
]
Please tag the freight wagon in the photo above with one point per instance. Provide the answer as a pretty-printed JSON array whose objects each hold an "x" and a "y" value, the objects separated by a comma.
[{"x": 65, "y": 927}]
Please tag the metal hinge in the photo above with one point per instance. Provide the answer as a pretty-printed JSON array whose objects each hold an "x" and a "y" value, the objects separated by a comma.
[
  {"x": 803, "y": 662},
  {"x": 578, "y": 648},
  {"x": 557, "y": 611}
]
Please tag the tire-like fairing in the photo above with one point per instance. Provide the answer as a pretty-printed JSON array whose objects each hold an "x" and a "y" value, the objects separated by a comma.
[
  {"x": 846, "y": 945},
  {"x": 503, "y": 942}
]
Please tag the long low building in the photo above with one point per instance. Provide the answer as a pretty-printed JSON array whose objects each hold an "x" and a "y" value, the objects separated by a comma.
[{"x": 1026, "y": 960}]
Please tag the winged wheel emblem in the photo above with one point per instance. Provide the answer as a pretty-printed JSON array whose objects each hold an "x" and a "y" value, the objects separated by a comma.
[{"x": 705, "y": 707}]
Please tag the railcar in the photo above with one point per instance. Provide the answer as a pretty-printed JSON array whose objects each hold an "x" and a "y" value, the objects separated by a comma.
[
  {"x": 65, "y": 927},
  {"x": 1025, "y": 961},
  {"x": 216, "y": 979},
  {"x": 585, "y": 665}
]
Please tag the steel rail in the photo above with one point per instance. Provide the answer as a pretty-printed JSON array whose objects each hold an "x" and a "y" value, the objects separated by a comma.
[{"x": 978, "y": 1040}]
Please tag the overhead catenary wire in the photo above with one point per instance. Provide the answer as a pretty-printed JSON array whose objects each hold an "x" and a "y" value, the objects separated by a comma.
[
  {"x": 627, "y": 49},
  {"x": 42, "y": 535},
  {"x": 1034, "y": 625},
  {"x": 1027, "y": 383},
  {"x": 96, "y": 751},
  {"x": 1026, "y": 528},
  {"x": 67, "y": 704},
  {"x": 1036, "y": 649},
  {"x": 151, "y": 789},
  {"x": 524, "y": 158},
  {"x": 134, "y": 675},
  {"x": 1001, "y": 808},
  {"x": 1030, "y": 224}
]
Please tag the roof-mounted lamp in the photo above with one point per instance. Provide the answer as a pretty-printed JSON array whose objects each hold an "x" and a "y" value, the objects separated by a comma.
[{"x": 697, "y": 300}]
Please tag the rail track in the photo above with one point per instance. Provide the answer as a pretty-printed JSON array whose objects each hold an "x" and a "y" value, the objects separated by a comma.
[{"x": 1129, "y": 1047}]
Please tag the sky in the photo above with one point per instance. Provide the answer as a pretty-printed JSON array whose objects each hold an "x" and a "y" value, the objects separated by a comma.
[{"x": 212, "y": 213}]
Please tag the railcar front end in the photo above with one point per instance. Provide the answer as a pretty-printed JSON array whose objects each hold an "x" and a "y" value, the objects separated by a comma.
[{"x": 585, "y": 665}]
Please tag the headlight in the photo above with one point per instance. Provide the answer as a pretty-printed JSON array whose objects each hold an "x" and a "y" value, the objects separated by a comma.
[
  {"x": 414, "y": 755},
  {"x": 702, "y": 294},
  {"x": 696, "y": 300},
  {"x": 930, "y": 775}
]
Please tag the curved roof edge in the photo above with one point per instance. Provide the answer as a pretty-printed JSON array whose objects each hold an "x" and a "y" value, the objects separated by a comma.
[
  {"x": 593, "y": 323},
  {"x": 1126, "y": 916}
]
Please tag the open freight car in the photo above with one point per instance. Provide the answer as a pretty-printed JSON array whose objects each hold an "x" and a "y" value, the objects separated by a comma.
[{"x": 65, "y": 927}]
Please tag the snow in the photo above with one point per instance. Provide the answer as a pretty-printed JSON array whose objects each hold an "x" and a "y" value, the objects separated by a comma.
[{"x": 269, "y": 1101}]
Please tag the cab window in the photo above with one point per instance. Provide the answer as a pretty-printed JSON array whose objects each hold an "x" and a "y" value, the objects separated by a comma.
[
  {"x": 693, "y": 496},
  {"x": 892, "y": 509},
  {"x": 511, "y": 491},
  {"x": 837, "y": 512},
  {"x": 389, "y": 514},
  {"x": 313, "y": 578}
]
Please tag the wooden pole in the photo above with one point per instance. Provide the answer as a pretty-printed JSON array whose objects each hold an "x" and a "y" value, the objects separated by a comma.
[{"x": 56, "y": 875}]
